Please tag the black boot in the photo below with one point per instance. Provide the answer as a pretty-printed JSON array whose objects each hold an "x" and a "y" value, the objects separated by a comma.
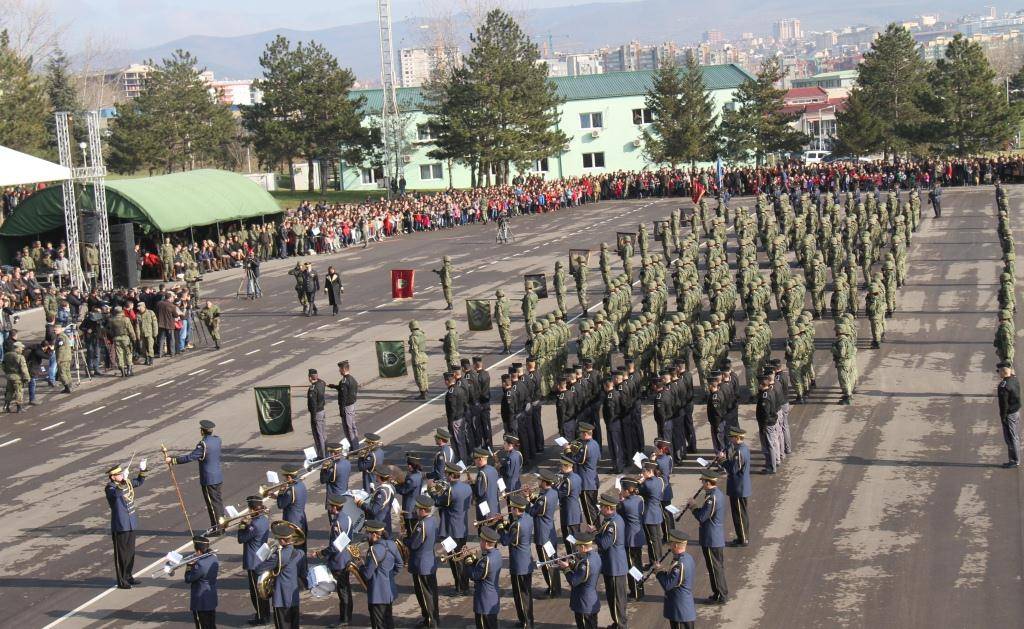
[
  {"x": 67, "y": 389},
  {"x": 423, "y": 395},
  {"x": 216, "y": 344}
]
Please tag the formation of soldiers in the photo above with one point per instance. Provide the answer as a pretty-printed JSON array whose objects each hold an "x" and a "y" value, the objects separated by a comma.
[{"x": 1006, "y": 331}]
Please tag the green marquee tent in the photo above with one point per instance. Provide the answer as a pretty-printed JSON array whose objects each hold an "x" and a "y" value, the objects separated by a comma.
[{"x": 168, "y": 203}]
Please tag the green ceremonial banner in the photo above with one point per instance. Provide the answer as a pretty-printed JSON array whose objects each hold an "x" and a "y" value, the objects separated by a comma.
[
  {"x": 478, "y": 311},
  {"x": 391, "y": 359},
  {"x": 274, "y": 409}
]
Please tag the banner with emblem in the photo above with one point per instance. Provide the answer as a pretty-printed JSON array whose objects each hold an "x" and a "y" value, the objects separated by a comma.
[
  {"x": 578, "y": 253},
  {"x": 391, "y": 359},
  {"x": 478, "y": 313},
  {"x": 402, "y": 283},
  {"x": 660, "y": 227},
  {"x": 540, "y": 284},
  {"x": 274, "y": 409}
]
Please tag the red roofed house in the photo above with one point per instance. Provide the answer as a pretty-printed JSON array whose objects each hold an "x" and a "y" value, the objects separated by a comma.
[{"x": 817, "y": 114}]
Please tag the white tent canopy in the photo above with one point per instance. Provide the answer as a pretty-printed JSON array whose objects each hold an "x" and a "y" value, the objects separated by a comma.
[{"x": 18, "y": 168}]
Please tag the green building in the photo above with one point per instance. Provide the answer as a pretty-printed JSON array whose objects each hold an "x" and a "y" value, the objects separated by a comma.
[{"x": 603, "y": 115}]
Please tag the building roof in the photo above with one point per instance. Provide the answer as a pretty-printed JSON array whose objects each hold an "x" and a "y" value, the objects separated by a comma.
[
  {"x": 586, "y": 87},
  {"x": 812, "y": 108},
  {"x": 167, "y": 203}
]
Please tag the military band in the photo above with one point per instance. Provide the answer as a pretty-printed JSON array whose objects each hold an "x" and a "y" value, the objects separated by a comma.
[
  {"x": 201, "y": 575},
  {"x": 253, "y": 533}
]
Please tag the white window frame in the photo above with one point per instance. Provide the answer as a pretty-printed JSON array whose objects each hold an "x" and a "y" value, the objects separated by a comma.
[
  {"x": 587, "y": 120},
  {"x": 435, "y": 170},
  {"x": 424, "y": 133},
  {"x": 646, "y": 115},
  {"x": 593, "y": 159},
  {"x": 541, "y": 165},
  {"x": 371, "y": 175}
]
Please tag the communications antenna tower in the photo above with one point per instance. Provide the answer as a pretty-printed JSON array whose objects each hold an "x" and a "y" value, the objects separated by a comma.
[{"x": 391, "y": 134}]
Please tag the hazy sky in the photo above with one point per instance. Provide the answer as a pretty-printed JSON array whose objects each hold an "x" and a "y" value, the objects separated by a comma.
[{"x": 142, "y": 23}]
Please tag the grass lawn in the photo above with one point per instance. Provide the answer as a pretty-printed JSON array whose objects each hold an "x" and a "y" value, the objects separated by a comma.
[{"x": 291, "y": 199}]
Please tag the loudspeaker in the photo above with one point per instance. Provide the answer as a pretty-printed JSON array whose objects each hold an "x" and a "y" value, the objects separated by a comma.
[
  {"x": 90, "y": 228},
  {"x": 122, "y": 255}
]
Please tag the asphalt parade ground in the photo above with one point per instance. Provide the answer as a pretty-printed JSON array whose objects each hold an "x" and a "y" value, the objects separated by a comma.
[{"x": 891, "y": 512}]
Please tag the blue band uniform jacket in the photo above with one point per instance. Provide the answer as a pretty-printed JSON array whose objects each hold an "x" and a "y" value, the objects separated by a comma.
[
  {"x": 202, "y": 579},
  {"x": 485, "y": 574},
  {"x": 207, "y": 452}
]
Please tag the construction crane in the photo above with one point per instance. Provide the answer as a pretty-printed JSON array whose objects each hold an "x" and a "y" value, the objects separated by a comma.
[{"x": 391, "y": 134}]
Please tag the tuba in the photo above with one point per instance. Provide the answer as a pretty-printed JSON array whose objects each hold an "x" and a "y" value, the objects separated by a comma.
[
  {"x": 352, "y": 567},
  {"x": 265, "y": 582}
]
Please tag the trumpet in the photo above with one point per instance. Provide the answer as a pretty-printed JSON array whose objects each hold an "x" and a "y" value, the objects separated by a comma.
[
  {"x": 438, "y": 487},
  {"x": 323, "y": 463},
  {"x": 529, "y": 490},
  {"x": 571, "y": 558},
  {"x": 274, "y": 490},
  {"x": 464, "y": 554},
  {"x": 170, "y": 567},
  {"x": 573, "y": 448},
  {"x": 494, "y": 520},
  {"x": 361, "y": 451}
]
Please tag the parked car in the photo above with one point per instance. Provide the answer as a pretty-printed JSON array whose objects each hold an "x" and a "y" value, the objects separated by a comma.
[{"x": 815, "y": 157}]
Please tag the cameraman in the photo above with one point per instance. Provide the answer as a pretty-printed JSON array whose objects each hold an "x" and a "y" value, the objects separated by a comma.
[
  {"x": 252, "y": 273},
  {"x": 92, "y": 335}
]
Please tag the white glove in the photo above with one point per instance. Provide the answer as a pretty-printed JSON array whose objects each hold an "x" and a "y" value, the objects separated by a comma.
[{"x": 142, "y": 465}]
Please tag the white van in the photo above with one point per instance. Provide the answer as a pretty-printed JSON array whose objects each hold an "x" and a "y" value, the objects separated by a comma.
[{"x": 815, "y": 157}]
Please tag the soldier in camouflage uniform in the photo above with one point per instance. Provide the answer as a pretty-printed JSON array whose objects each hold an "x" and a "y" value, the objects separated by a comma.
[
  {"x": 445, "y": 274},
  {"x": 559, "y": 282},
  {"x": 210, "y": 316},
  {"x": 418, "y": 355},
  {"x": 16, "y": 371},
  {"x": 123, "y": 333},
  {"x": 503, "y": 318},
  {"x": 579, "y": 274},
  {"x": 450, "y": 344}
]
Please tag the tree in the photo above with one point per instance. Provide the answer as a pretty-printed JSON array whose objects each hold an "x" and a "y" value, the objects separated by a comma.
[
  {"x": 893, "y": 77},
  {"x": 508, "y": 113},
  {"x": 859, "y": 131},
  {"x": 456, "y": 124},
  {"x": 22, "y": 101},
  {"x": 684, "y": 125},
  {"x": 307, "y": 110},
  {"x": 968, "y": 113},
  {"x": 62, "y": 95},
  {"x": 757, "y": 124},
  {"x": 174, "y": 123}
]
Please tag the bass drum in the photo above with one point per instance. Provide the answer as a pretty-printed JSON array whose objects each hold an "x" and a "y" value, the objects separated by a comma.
[{"x": 321, "y": 582}]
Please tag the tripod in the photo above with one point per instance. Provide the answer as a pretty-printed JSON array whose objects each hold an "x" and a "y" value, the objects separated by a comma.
[
  {"x": 249, "y": 286},
  {"x": 79, "y": 362}
]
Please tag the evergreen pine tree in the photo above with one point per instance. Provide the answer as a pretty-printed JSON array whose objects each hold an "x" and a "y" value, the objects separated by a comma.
[
  {"x": 664, "y": 139},
  {"x": 756, "y": 124},
  {"x": 859, "y": 131},
  {"x": 22, "y": 101},
  {"x": 63, "y": 96}
]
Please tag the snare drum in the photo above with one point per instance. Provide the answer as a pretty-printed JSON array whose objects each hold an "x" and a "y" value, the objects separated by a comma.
[{"x": 321, "y": 581}]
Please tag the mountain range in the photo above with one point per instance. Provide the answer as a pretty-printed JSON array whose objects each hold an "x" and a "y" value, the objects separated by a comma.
[{"x": 578, "y": 28}]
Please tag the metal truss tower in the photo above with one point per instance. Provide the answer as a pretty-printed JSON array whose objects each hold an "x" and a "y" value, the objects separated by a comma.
[{"x": 391, "y": 134}]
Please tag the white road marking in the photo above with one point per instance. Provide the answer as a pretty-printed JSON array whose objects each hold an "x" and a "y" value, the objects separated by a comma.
[
  {"x": 164, "y": 384},
  {"x": 379, "y": 306},
  {"x": 362, "y": 312},
  {"x": 128, "y": 397},
  {"x": 343, "y": 320},
  {"x": 196, "y": 372},
  {"x": 326, "y": 325},
  {"x": 7, "y": 443},
  {"x": 252, "y": 352},
  {"x": 298, "y": 335},
  {"x": 230, "y": 360},
  {"x": 50, "y": 427},
  {"x": 98, "y": 408}
]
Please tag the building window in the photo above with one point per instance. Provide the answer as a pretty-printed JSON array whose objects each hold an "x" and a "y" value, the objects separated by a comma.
[
  {"x": 431, "y": 171},
  {"x": 541, "y": 165},
  {"x": 643, "y": 116},
  {"x": 424, "y": 133},
  {"x": 593, "y": 160},
  {"x": 373, "y": 175},
  {"x": 593, "y": 120}
]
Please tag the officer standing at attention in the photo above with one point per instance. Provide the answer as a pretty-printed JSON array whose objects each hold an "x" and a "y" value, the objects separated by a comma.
[
  {"x": 207, "y": 453},
  {"x": 543, "y": 511},
  {"x": 201, "y": 575},
  {"x": 483, "y": 390},
  {"x": 736, "y": 461},
  {"x": 316, "y": 399},
  {"x": 517, "y": 536},
  {"x": 450, "y": 343},
  {"x": 711, "y": 517},
  {"x": 286, "y": 562},
  {"x": 445, "y": 273},
  {"x": 123, "y": 522},
  {"x": 455, "y": 412},
  {"x": 611, "y": 544},
  {"x": 382, "y": 563},
  {"x": 679, "y": 609},
  {"x": 503, "y": 317},
  {"x": 1008, "y": 393},
  {"x": 252, "y": 535},
  {"x": 582, "y": 577},
  {"x": 418, "y": 355},
  {"x": 423, "y": 563},
  {"x": 485, "y": 574},
  {"x": 348, "y": 394},
  {"x": 123, "y": 333},
  {"x": 337, "y": 561}
]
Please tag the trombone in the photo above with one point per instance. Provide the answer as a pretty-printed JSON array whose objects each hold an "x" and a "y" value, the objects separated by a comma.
[
  {"x": 169, "y": 567},
  {"x": 223, "y": 522},
  {"x": 530, "y": 491},
  {"x": 363, "y": 449},
  {"x": 274, "y": 490},
  {"x": 496, "y": 520}
]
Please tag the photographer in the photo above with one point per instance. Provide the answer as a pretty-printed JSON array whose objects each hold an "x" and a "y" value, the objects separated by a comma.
[{"x": 252, "y": 274}]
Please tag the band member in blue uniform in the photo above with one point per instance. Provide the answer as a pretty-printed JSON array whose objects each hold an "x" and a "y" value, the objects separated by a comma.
[
  {"x": 371, "y": 461},
  {"x": 652, "y": 489},
  {"x": 207, "y": 453},
  {"x": 570, "y": 509},
  {"x": 292, "y": 503},
  {"x": 335, "y": 472},
  {"x": 736, "y": 461},
  {"x": 409, "y": 489},
  {"x": 543, "y": 510},
  {"x": 586, "y": 466},
  {"x": 582, "y": 576},
  {"x": 285, "y": 561},
  {"x": 337, "y": 560},
  {"x": 485, "y": 489},
  {"x": 383, "y": 561},
  {"x": 454, "y": 504},
  {"x": 677, "y": 581},
  {"x": 201, "y": 575},
  {"x": 445, "y": 454},
  {"x": 518, "y": 536},
  {"x": 422, "y": 561},
  {"x": 512, "y": 464},
  {"x": 485, "y": 573},
  {"x": 252, "y": 534},
  {"x": 709, "y": 512},
  {"x": 631, "y": 508},
  {"x": 611, "y": 545},
  {"x": 120, "y": 493}
]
